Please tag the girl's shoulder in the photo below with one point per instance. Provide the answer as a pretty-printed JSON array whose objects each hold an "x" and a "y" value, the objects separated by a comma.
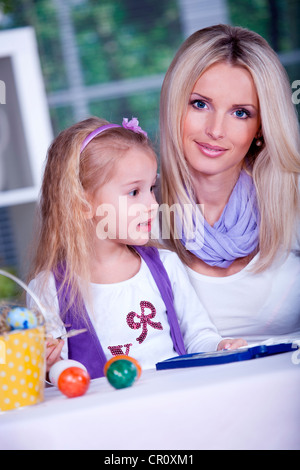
[
  {"x": 43, "y": 285},
  {"x": 171, "y": 262},
  {"x": 165, "y": 254},
  {"x": 42, "y": 278},
  {"x": 44, "y": 288},
  {"x": 168, "y": 255}
]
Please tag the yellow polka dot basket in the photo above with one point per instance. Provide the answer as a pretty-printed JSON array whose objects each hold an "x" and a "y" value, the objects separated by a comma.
[{"x": 22, "y": 364}]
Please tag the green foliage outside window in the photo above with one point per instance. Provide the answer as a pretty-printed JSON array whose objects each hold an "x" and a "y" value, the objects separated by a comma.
[
  {"x": 124, "y": 39},
  {"x": 115, "y": 40},
  {"x": 278, "y": 21}
]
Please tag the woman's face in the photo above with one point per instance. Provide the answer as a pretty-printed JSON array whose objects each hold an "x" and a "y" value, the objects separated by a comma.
[{"x": 221, "y": 121}]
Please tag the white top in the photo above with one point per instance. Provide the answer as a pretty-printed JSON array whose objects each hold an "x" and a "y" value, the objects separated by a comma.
[
  {"x": 255, "y": 307},
  {"x": 130, "y": 316}
]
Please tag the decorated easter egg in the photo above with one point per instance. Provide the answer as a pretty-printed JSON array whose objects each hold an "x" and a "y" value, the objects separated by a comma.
[
  {"x": 21, "y": 318},
  {"x": 73, "y": 382},
  {"x": 60, "y": 366},
  {"x": 122, "y": 371}
]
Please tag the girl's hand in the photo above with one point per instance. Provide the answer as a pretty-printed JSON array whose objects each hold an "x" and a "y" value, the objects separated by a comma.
[
  {"x": 53, "y": 351},
  {"x": 231, "y": 344}
]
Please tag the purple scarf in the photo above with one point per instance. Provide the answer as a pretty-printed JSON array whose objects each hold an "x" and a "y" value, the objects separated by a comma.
[{"x": 234, "y": 235}]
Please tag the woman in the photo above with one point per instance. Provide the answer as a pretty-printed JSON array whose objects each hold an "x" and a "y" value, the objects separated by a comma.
[{"x": 230, "y": 151}]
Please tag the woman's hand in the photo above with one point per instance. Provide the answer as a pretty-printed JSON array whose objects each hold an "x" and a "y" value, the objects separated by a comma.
[
  {"x": 53, "y": 351},
  {"x": 231, "y": 344}
]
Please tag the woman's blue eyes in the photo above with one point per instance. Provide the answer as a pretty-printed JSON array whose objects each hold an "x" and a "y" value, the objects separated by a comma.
[
  {"x": 199, "y": 104},
  {"x": 242, "y": 113},
  {"x": 239, "y": 113}
]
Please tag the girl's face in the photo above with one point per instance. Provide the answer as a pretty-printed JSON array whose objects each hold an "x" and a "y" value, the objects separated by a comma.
[
  {"x": 221, "y": 121},
  {"x": 125, "y": 207}
]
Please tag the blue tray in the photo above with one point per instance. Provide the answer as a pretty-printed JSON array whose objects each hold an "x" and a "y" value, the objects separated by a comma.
[{"x": 225, "y": 357}]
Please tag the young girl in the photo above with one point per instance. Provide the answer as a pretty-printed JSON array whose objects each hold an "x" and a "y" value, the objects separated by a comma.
[{"x": 92, "y": 268}]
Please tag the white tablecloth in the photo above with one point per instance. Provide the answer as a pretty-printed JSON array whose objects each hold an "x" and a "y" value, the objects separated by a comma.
[{"x": 245, "y": 405}]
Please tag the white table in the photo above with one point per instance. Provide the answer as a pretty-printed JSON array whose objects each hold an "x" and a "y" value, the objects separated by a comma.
[{"x": 245, "y": 405}]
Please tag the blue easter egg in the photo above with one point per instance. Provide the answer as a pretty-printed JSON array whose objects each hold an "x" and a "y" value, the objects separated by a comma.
[{"x": 21, "y": 318}]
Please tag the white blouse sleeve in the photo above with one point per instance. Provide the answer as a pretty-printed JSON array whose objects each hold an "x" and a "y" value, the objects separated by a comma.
[
  {"x": 46, "y": 292},
  {"x": 199, "y": 333}
]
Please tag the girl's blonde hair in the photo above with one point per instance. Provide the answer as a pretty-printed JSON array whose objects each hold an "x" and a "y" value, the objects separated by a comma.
[
  {"x": 275, "y": 165},
  {"x": 70, "y": 178}
]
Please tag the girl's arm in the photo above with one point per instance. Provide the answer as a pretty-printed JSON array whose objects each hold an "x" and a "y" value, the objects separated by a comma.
[
  {"x": 199, "y": 333},
  {"x": 56, "y": 348}
]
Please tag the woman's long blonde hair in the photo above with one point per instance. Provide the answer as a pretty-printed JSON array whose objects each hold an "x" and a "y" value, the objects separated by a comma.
[
  {"x": 64, "y": 234},
  {"x": 275, "y": 166}
]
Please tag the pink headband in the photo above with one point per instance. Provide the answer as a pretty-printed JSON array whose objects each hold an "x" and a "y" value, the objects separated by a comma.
[{"x": 132, "y": 125}]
